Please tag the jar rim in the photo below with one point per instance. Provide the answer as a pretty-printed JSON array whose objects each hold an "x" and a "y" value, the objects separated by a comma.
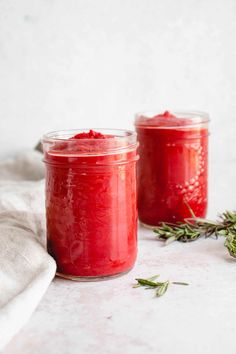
[
  {"x": 55, "y": 134},
  {"x": 193, "y": 118},
  {"x": 121, "y": 141}
]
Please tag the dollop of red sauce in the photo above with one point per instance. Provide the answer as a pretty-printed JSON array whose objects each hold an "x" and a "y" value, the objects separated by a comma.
[
  {"x": 90, "y": 135},
  {"x": 166, "y": 114},
  {"x": 91, "y": 206},
  {"x": 172, "y": 169}
]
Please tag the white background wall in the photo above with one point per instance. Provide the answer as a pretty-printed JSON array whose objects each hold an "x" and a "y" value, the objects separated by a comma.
[{"x": 86, "y": 63}]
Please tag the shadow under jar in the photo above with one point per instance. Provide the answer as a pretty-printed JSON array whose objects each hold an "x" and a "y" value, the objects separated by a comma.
[
  {"x": 173, "y": 166},
  {"x": 91, "y": 206}
]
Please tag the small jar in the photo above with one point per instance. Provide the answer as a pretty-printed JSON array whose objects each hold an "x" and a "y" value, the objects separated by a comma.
[
  {"x": 91, "y": 209},
  {"x": 173, "y": 166}
]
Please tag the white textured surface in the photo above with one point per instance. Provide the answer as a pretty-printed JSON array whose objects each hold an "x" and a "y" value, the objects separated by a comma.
[
  {"x": 111, "y": 317},
  {"x": 76, "y": 63}
]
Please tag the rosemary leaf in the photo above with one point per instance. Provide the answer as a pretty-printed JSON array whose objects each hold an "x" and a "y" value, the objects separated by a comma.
[
  {"x": 147, "y": 282},
  {"x": 149, "y": 279},
  {"x": 170, "y": 240},
  {"x": 162, "y": 289}
]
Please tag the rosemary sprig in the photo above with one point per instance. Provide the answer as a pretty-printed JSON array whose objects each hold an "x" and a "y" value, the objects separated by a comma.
[
  {"x": 160, "y": 287},
  {"x": 195, "y": 227},
  {"x": 184, "y": 232}
]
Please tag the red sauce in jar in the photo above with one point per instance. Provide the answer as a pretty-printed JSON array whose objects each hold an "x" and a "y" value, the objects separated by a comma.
[
  {"x": 91, "y": 204},
  {"x": 173, "y": 167}
]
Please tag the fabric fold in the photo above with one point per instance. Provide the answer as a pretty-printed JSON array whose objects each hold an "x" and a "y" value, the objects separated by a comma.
[{"x": 26, "y": 269}]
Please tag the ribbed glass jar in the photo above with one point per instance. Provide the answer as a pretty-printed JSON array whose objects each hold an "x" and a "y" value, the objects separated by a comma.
[{"x": 173, "y": 166}]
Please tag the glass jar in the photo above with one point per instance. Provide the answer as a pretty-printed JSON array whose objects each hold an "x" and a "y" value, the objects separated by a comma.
[
  {"x": 91, "y": 209},
  {"x": 173, "y": 166}
]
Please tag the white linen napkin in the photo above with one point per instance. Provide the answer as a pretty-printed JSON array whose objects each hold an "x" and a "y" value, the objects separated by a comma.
[{"x": 26, "y": 269}]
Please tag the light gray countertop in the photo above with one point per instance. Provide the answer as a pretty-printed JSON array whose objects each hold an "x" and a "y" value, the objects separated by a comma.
[{"x": 112, "y": 317}]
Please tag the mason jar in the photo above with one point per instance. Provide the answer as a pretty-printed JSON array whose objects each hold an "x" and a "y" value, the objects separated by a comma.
[
  {"x": 91, "y": 206},
  {"x": 173, "y": 166}
]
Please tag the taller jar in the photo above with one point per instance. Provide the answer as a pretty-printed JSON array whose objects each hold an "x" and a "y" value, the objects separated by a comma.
[
  {"x": 91, "y": 207},
  {"x": 173, "y": 166}
]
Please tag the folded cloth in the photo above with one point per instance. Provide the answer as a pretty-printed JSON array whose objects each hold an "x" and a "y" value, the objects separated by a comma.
[{"x": 26, "y": 269}]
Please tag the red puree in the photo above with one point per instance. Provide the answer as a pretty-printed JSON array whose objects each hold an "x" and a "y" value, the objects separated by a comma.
[
  {"x": 172, "y": 169},
  {"x": 90, "y": 135},
  {"x": 91, "y": 205}
]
